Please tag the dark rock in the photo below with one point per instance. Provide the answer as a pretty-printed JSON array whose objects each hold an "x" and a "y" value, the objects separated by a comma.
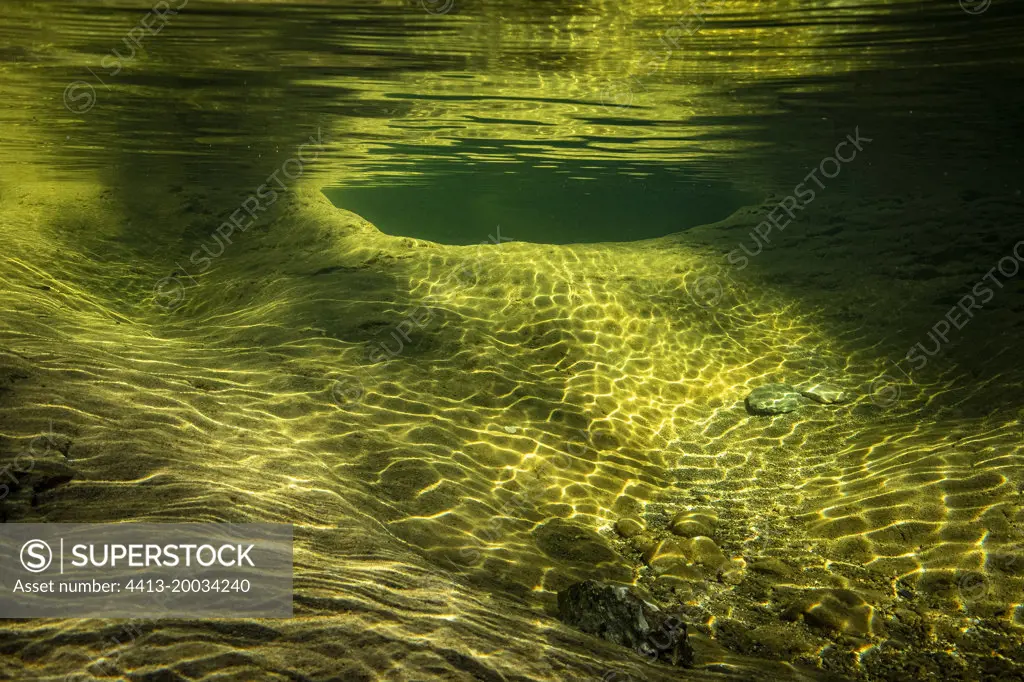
[
  {"x": 49, "y": 474},
  {"x": 13, "y": 368},
  {"x": 615, "y": 613},
  {"x": 774, "y": 399},
  {"x": 27, "y": 478}
]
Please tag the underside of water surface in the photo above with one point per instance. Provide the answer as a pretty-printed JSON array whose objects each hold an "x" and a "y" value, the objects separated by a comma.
[{"x": 721, "y": 302}]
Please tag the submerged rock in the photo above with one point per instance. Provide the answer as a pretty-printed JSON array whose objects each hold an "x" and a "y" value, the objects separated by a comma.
[
  {"x": 661, "y": 556},
  {"x": 570, "y": 542},
  {"x": 29, "y": 478},
  {"x": 691, "y": 524},
  {"x": 617, "y": 614},
  {"x": 629, "y": 527},
  {"x": 774, "y": 399},
  {"x": 672, "y": 551},
  {"x": 826, "y": 394},
  {"x": 835, "y": 610}
]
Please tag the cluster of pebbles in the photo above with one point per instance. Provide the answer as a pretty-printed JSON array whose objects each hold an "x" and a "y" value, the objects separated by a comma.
[
  {"x": 685, "y": 554},
  {"x": 781, "y": 398}
]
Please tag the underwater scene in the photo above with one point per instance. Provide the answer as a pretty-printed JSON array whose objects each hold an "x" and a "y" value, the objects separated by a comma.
[{"x": 566, "y": 340}]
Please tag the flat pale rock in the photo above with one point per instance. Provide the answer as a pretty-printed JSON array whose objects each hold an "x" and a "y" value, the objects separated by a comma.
[
  {"x": 826, "y": 394},
  {"x": 774, "y": 399}
]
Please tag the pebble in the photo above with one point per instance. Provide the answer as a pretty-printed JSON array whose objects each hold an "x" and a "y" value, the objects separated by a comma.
[
  {"x": 629, "y": 527},
  {"x": 774, "y": 399},
  {"x": 671, "y": 552},
  {"x": 826, "y": 394},
  {"x": 691, "y": 524}
]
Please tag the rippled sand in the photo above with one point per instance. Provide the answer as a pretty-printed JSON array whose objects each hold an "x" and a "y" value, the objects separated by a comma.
[{"x": 454, "y": 431}]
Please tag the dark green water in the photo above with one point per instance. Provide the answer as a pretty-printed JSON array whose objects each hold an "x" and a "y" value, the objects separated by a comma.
[{"x": 564, "y": 205}]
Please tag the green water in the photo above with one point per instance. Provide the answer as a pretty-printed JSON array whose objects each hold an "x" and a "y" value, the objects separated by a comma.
[
  {"x": 635, "y": 219},
  {"x": 571, "y": 203}
]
